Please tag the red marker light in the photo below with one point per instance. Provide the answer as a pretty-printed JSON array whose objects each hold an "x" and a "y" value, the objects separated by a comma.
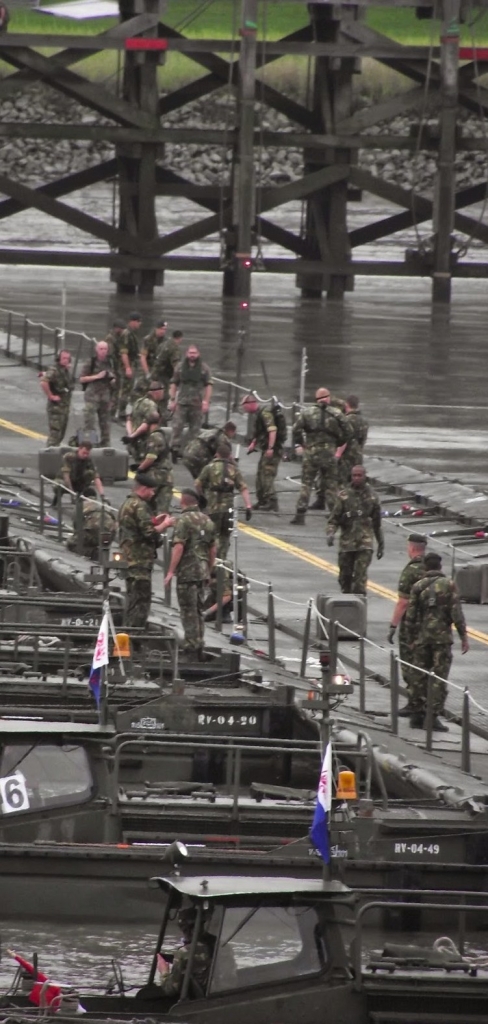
[
  {"x": 480, "y": 533},
  {"x": 418, "y": 512},
  {"x": 247, "y": 264},
  {"x": 244, "y": 305}
]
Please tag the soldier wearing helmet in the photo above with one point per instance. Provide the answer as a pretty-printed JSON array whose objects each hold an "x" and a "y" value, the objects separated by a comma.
[
  {"x": 317, "y": 433},
  {"x": 172, "y": 977}
]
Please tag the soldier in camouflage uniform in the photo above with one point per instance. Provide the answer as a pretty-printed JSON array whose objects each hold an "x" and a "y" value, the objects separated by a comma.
[
  {"x": 218, "y": 482},
  {"x": 190, "y": 393},
  {"x": 167, "y": 358},
  {"x": 352, "y": 453},
  {"x": 97, "y": 380},
  {"x": 268, "y": 440},
  {"x": 78, "y": 471},
  {"x": 113, "y": 339},
  {"x": 192, "y": 559},
  {"x": 156, "y": 460},
  {"x": 139, "y": 538},
  {"x": 144, "y": 409},
  {"x": 57, "y": 385},
  {"x": 201, "y": 450},
  {"x": 317, "y": 433},
  {"x": 412, "y": 573},
  {"x": 129, "y": 362},
  {"x": 150, "y": 345},
  {"x": 98, "y": 527},
  {"x": 357, "y": 514},
  {"x": 171, "y": 976},
  {"x": 433, "y": 608}
]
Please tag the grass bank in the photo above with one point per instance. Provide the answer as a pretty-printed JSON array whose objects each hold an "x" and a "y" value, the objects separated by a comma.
[{"x": 288, "y": 74}]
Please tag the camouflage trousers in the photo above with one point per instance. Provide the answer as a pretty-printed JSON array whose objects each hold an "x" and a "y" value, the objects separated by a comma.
[
  {"x": 433, "y": 658},
  {"x": 137, "y": 598},
  {"x": 193, "y": 464},
  {"x": 97, "y": 417},
  {"x": 189, "y": 416},
  {"x": 125, "y": 392},
  {"x": 353, "y": 570},
  {"x": 265, "y": 479},
  {"x": 320, "y": 463},
  {"x": 164, "y": 494},
  {"x": 223, "y": 524},
  {"x": 405, "y": 652},
  {"x": 57, "y": 418},
  {"x": 191, "y": 600}
]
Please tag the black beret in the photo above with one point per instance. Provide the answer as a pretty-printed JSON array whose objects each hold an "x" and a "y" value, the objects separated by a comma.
[
  {"x": 135, "y": 316},
  {"x": 145, "y": 480},
  {"x": 156, "y": 385},
  {"x": 190, "y": 493},
  {"x": 417, "y": 538},
  {"x": 162, "y": 323},
  {"x": 118, "y": 323}
]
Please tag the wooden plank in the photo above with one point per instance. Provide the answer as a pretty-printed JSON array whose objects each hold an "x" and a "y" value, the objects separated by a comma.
[
  {"x": 63, "y": 186},
  {"x": 28, "y": 197},
  {"x": 387, "y": 190},
  {"x": 279, "y": 236},
  {"x": 90, "y": 94},
  {"x": 402, "y": 221},
  {"x": 413, "y": 99},
  {"x": 272, "y": 197}
]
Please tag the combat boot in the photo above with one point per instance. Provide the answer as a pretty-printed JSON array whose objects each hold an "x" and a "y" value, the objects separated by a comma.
[
  {"x": 270, "y": 506},
  {"x": 318, "y": 505},
  {"x": 407, "y": 711},
  {"x": 438, "y": 725},
  {"x": 417, "y": 720},
  {"x": 298, "y": 519}
]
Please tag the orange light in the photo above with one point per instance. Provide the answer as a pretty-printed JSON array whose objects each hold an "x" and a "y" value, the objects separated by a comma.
[
  {"x": 346, "y": 786},
  {"x": 122, "y": 646}
]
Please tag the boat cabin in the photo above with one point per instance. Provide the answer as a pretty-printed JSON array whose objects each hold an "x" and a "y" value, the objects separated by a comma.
[
  {"x": 266, "y": 949},
  {"x": 53, "y": 780}
]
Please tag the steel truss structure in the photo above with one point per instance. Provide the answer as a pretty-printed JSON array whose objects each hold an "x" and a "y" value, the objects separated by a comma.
[{"x": 328, "y": 131}]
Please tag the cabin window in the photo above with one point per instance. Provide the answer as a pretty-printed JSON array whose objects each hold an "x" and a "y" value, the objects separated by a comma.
[
  {"x": 260, "y": 945},
  {"x": 38, "y": 775}
]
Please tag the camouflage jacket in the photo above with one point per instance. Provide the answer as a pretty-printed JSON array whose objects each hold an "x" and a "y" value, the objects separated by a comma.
[
  {"x": 166, "y": 360},
  {"x": 354, "y": 451},
  {"x": 137, "y": 538},
  {"x": 156, "y": 448},
  {"x": 149, "y": 347},
  {"x": 98, "y": 388},
  {"x": 190, "y": 392},
  {"x": 265, "y": 423},
  {"x": 205, "y": 445},
  {"x": 82, "y": 472},
  {"x": 412, "y": 573},
  {"x": 129, "y": 346},
  {"x": 60, "y": 382},
  {"x": 218, "y": 481},
  {"x": 197, "y": 534},
  {"x": 114, "y": 342},
  {"x": 433, "y": 608},
  {"x": 142, "y": 409},
  {"x": 172, "y": 982},
  {"x": 98, "y": 521},
  {"x": 321, "y": 426},
  {"x": 357, "y": 513}
]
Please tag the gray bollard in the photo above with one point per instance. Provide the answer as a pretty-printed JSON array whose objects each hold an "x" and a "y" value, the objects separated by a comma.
[
  {"x": 219, "y": 596},
  {"x": 362, "y": 676},
  {"x": 166, "y": 561}
]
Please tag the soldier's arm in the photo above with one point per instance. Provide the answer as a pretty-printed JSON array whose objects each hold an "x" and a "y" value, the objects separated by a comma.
[
  {"x": 173, "y": 981},
  {"x": 345, "y": 429},
  {"x": 334, "y": 520},
  {"x": 173, "y": 388},
  {"x": 207, "y": 394},
  {"x": 46, "y": 387},
  {"x": 412, "y": 611},
  {"x": 458, "y": 619},
  {"x": 124, "y": 357},
  {"x": 99, "y": 486},
  {"x": 298, "y": 431},
  {"x": 377, "y": 528},
  {"x": 212, "y": 556},
  {"x": 271, "y": 428},
  {"x": 143, "y": 362},
  {"x": 176, "y": 556}
]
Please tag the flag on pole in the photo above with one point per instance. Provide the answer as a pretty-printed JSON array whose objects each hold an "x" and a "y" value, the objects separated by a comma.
[
  {"x": 319, "y": 833},
  {"x": 100, "y": 658}
]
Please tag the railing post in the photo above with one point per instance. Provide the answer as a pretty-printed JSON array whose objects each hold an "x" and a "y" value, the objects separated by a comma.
[
  {"x": 9, "y": 332},
  {"x": 243, "y": 588},
  {"x": 429, "y": 715},
  {"x": 271, "y": 625},
  {"x": 394, "y": 692},
  {"x": 333, "y": 644},
  {"x": 41, "y": 335},
  {"x": 228, "y": 402},
  {"x": 166, "y": 561},
  {"x": 219, "y": 596},
  {"x": 306, "y": 640},
  {"x": 57, "y": 336},
  {"x": 59, "y": 507},
  {"x": 25, "y": 336},
  {"x": 465, "y": 736},
  {"x": 453, "y": 561},
  {"x": 362, "y": 676},
  {"x": 42, "y": 504},
  {"x": 79, "y": 524}
]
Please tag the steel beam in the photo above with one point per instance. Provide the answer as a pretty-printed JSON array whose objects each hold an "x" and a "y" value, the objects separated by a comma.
[{"x": 445, "y": 187}]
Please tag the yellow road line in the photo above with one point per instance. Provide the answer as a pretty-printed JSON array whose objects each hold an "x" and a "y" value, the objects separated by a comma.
[
  {"x": 321, "y": 563},
  {"x": 267, "y": 538},
  {"x": 17, "y": 429}
]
